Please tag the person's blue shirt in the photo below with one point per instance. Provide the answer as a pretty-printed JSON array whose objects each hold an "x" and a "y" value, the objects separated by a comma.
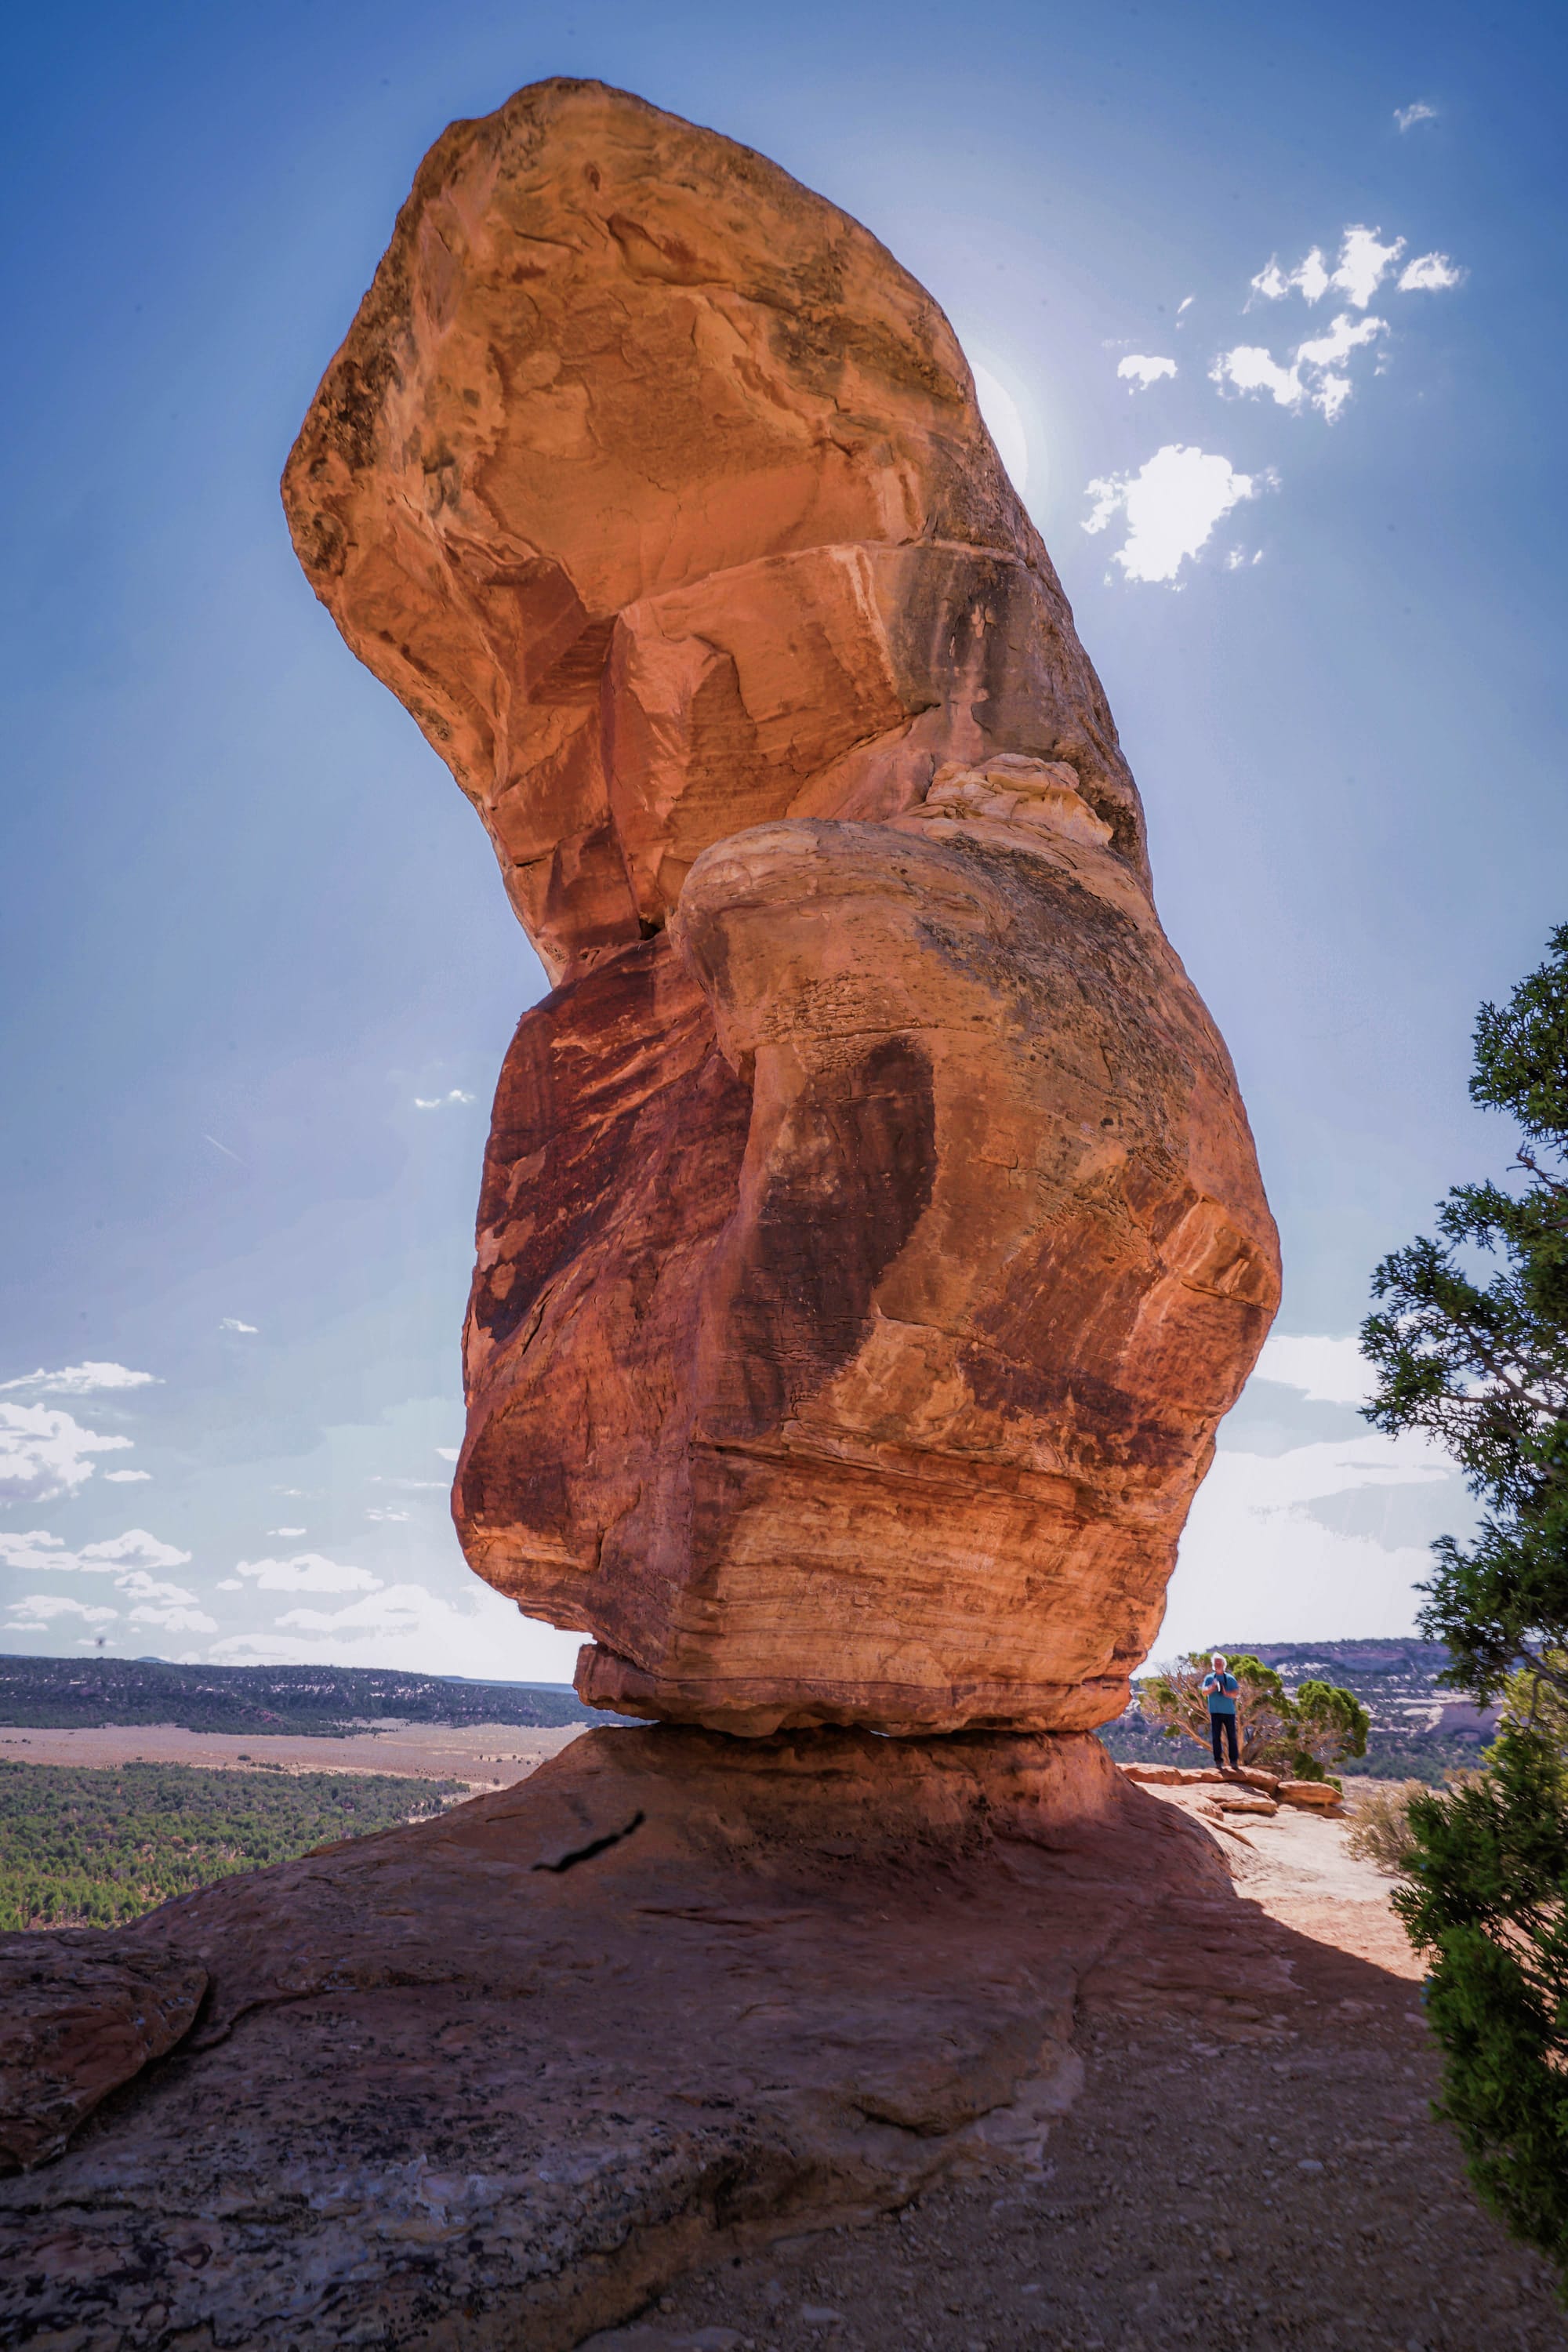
[{"x": 1220, "y": 1691}]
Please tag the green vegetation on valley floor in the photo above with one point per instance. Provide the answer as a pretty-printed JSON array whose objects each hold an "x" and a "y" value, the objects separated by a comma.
[{"x": 97, "y": 1845}]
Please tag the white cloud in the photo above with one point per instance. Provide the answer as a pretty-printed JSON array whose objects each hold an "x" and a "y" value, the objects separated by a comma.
[
  {"x": 142, "y": 1587},
  {"x": 1170, "y": 508},
  {"x": 1310, "y": 278},
  {"x": 229, "y": 1584},
  {"x": 439, "y": 1102},
  {"x": 84, "y": 1379},
  {"x": 426, "y": 1485},
  {"x": 134, "y": 1549},
  {"x": 1309, "y": 1543},
  {"x": 1407, "y": 117},
  {"x": 408, "y": 1625},
  {"x": 1325, "y": 1537},
  {"x": 44, "y": 1453},
  {"x": 126, "y": 1477},
  {"x": 1313, "y": 379},
  {"x": 175, "y": 1620},
  {"x": 1345, "y": 336},
  {"x": 128, "y": 1558},
  {"x": 1250, "y": 368},
  {"x": 1138, "y": 368},
  {"x": 1365, "y": 262},
  {"x": 308, "y": 1572},
  {"x": 1185, "y": 303},
  {"x": 374, "y": 1514},
  {"x": 451, "y": 1453},
  {"x": 285, "y": 1532},
  {"x": 38, "y": 1612},
  {"x": 1325, "y": 1370},
  {"x": 1430, "y": 273},
  {"x": 476, "y": 1632},
  {"x": 33, "y": 1550},
  {"x": 399, "y": 1609},
  {"x": 232, "y": 1323}
]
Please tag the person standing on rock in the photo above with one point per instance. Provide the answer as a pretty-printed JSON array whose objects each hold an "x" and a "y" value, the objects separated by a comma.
[{"x": 1220, "y": 1689}]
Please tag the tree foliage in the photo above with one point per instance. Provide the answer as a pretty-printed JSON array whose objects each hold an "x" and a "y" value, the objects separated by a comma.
[
  {"x": 1327, "y": 1724},
  {"x": 1469, "y": 1340},
  {"x": 1488, "y": 1899},
  {"x": 1303, "y": 1735},
  {"x": 1531, "y": 1702},
  {"x": 1478, "y": 1358}
]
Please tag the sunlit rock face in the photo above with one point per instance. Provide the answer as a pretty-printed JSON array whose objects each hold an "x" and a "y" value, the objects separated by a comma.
[{"x": 870, "y": 1235}]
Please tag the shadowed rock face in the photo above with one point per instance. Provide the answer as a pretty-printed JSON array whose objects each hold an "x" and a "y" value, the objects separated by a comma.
[{"x": 870, "y": 1235}]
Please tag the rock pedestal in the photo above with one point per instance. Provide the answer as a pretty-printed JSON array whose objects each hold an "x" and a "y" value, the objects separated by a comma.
[
  {"x": 492, "y": 2080},
  {"x": 871, "y": 1237}
]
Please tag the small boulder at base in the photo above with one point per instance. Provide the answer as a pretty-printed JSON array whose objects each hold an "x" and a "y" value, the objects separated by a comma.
[
  {"x": 1322, "y": 1794},
  {"x": 80, "y": 2015}
]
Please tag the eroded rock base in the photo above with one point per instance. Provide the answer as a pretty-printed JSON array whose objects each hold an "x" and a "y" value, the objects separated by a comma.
[
  {"x": 1253, "y": 2165},
  {"x": 496, "y": 2078}
]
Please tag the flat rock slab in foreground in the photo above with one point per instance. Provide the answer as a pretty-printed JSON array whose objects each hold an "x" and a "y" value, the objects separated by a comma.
[{"x": 494, "y": 2079}]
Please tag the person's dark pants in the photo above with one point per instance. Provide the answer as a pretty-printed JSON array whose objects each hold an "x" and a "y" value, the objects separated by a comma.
[{"x": 1225, "y": 1725}]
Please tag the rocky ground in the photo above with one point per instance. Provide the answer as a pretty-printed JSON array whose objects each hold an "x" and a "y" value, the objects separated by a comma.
[
  {"x": 592, "y": 2053},
  {"x": 1219, "y": 2180}
]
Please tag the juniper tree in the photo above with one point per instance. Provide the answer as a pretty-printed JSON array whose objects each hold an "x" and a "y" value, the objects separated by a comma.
[
  {"x": 1480, "y": 1359},
  {"x": 1303, "y": 1735}
]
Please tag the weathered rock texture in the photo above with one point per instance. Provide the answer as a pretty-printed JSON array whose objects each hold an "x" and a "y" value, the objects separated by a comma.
[
  {"x": 450, "y": 2088},
  {"x": 871, "y": 1235},
  {"x": 78, "y": 2019}
]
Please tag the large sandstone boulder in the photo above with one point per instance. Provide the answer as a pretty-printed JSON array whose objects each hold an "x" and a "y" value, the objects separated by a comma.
[{"x": 870, "y": 1235}]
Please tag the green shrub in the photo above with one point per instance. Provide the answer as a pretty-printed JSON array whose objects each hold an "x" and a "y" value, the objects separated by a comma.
[
  {"x": 1488, "y": 1899},
  {"x": 1326, "y": 1725},
  {"x": 1379, "y": 1832}
]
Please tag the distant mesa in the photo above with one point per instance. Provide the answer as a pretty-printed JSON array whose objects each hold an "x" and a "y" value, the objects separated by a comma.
[
  {"x": 871, "y": 1237},
  {"x": 312, "y": 1702}
]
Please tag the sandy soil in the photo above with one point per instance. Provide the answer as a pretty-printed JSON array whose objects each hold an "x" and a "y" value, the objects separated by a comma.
[
  {"x": 1252, "y": 2164},
  {"x": 484, "y": 1755}
]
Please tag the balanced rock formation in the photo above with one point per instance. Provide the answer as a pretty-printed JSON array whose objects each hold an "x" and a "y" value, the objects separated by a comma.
[{"x": 870, "y": 1235}]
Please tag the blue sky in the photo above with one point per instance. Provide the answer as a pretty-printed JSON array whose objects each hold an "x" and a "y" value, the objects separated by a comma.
[{"x": 259, "y": 973}]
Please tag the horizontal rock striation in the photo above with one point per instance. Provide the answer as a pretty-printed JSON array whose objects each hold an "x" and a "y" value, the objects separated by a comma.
[{"x": 870, "y": 1235}]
